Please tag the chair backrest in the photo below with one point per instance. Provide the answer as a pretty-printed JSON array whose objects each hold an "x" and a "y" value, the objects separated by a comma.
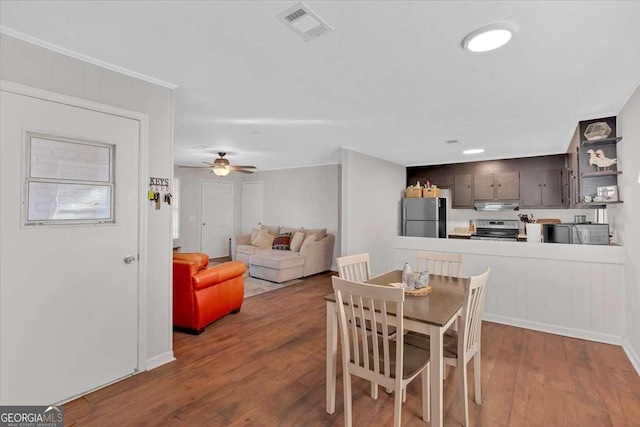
[
  {"x": 440, "y": 263},
  {"x": 472, "y": 313},
  {"x": 356, "y": 302},
  {"x": 354, "y": 267}
]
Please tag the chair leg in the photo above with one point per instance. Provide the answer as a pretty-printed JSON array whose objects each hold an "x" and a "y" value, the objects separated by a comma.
[
  {"x": 426, "y": 394},
  {"x": 462, "y": 371},
  {"x": 397, "y": 407},
  {"x": 477, "y": 379},
  {"x": 374, "y": 391},
  {"x": 347, "y": 399},
  {"x": 404, "y": 395}
]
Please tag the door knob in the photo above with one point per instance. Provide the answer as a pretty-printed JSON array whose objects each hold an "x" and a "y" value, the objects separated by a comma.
[{"x": 129, "y": 259}]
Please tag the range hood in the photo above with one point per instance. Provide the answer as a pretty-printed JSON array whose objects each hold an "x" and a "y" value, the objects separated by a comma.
[{"x": 496, "y": 206}]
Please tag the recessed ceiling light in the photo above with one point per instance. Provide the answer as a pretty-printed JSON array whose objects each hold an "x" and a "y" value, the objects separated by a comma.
[
  {"x": 474, "y": 151},
  {"x": 488, "y": 38}
]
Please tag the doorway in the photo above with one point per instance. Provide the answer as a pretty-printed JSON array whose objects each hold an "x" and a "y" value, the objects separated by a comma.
[
  {"x": 216, "y": 198},
  {"x": 252, "y": 205}
]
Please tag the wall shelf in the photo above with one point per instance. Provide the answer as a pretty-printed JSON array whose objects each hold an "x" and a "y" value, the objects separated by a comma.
[
  {"x": 600, "y": 173},
  {"x": 601, "y": 141}
]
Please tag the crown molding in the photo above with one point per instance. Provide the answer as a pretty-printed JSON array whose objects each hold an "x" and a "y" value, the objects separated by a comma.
[{"x": 64, "y": 51}]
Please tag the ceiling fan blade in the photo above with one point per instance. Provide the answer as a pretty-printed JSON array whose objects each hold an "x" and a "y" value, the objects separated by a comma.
[
  {"x": 241, "y": 171},
  {"x": 242, "y": 167},
  {"x": 207, "y": 163}
]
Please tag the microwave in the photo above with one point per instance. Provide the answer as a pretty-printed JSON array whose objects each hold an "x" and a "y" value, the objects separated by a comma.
[{"x": 576, "y": 233}]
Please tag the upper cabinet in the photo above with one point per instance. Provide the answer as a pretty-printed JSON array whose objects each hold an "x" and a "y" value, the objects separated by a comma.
[
  {"x": 543, "y": 188},
  {"x": 499, "y": 180},
  {"x": 497, "y": 186},
  {"x": 462, "y": 192}
]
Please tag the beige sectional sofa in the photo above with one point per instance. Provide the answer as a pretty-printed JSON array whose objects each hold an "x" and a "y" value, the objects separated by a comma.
[{"x": 282, "y": 265}]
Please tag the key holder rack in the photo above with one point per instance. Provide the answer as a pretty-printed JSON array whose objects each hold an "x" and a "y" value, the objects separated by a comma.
[{"x": 157, "y": 185}]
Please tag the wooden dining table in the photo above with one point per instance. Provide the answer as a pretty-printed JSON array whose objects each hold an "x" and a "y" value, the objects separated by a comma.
[{"x": 432, "y": 314}]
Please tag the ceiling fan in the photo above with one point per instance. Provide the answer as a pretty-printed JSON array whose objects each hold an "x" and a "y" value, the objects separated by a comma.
[{"x": 222, "y": 167}]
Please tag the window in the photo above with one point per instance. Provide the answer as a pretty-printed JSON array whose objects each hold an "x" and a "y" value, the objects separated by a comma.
[
  {"x": 68, "y": 181},
  {"x": 175, "y": 208}
]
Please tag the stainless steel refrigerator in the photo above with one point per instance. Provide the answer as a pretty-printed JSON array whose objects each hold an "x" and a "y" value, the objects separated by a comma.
[{"x": 424, "y": 217}]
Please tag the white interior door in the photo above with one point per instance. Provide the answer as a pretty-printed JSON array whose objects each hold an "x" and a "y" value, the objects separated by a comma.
[
  {"x": 68, "y": 301},
  {"x": 217, "y": 216},
  {"x": 252, "y": 205}
]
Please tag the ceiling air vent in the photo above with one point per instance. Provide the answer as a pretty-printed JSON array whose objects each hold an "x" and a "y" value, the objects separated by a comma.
[{"x": 304, "y": 22}]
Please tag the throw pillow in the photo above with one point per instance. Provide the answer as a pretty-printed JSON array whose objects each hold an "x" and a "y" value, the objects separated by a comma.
[
  {"x": 309, "y": 239},
  {"x": 271, "y": 229},
  {"x": 296, "y": 241},
  {"x": 319, "y": 232},
  {"x": 254, "y": 234},
  {"x": 263, "y": 240},
  {"x": 282, "y": 242}
]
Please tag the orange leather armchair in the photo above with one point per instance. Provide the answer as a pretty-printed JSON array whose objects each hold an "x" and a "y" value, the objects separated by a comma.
[{"x": 202, "y": 295}]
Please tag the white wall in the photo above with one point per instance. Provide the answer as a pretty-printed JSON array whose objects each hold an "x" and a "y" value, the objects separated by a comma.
[
  {"x": 371, "y": 192},
  {"x": 461, "y": 217},
  {"x": 34, "y": 66},
  {"x": 301, "y": 197},
  {"x": 190, "y": 201},
  {"x": 624, "y": 217}
]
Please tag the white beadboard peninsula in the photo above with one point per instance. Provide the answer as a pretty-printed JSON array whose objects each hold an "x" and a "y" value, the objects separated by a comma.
[{"x": 571, "y": 290}]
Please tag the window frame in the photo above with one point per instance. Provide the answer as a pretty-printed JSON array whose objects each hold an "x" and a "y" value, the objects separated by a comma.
[{"x": 28, "y": 179}]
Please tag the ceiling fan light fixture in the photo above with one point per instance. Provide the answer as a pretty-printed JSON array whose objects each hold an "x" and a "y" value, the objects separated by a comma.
[
  {"x": 221, "y": 170},
  {"x": 488, "y": 38}
]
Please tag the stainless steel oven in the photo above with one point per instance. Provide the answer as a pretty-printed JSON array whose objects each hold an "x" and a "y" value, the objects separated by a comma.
[{"x": 505, "y": 230}]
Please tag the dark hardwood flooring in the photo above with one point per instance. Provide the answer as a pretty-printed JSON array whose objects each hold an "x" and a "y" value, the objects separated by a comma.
[{"x": 265, "y": 366}]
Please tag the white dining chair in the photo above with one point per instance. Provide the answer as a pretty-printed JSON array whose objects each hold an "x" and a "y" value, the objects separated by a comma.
[
  {"x": 375, "y": 356},
  {"x": 443, "y": 264},
  {"x": 354, "y": 267},
  {"x": 462, "y": 346}
]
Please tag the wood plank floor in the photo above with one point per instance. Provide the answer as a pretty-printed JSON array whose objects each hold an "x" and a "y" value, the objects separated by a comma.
[{"x": 265, "y": 366}]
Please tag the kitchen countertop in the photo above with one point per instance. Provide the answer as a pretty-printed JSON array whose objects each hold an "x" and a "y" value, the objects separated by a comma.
[
  {"x": 460, "y": 235},
  {"x": 553, "y": 251}
]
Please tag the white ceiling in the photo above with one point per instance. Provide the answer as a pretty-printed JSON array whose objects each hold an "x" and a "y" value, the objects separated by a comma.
[{"x": 391, "y": 81}]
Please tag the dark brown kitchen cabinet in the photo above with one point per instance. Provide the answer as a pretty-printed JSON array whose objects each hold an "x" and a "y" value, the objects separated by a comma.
[
  {"x": 462, "y": 195},
  {"x": 542, "y": 188},
  {"x": 483, "y": 188},
  {"x": 508, "y": 185},
  {"x": 496, "y": 186}
]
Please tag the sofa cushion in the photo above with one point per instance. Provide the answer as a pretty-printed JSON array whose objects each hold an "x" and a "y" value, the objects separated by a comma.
[
  {"x": 201, "y": 260},
  {"x": 319, "y": 232},
  {"x": 282, "y": 242},
  {"x": 289, "y": 230},
  {"x": 296, "y": 241},
  {"x": 309, "y": 239},
  {"x": 277, "y": 259},
  {"x": 247, "y": 249},
  {"x": 264, "y": 240},
  {"x": 271, "y": 229}
]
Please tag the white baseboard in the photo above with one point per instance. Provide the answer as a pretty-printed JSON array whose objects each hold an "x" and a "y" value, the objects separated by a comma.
[
  {"x": 552, "y": 329},
  {"x": 159, "y": 360},
  {"x": 632, "y": 355}
]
